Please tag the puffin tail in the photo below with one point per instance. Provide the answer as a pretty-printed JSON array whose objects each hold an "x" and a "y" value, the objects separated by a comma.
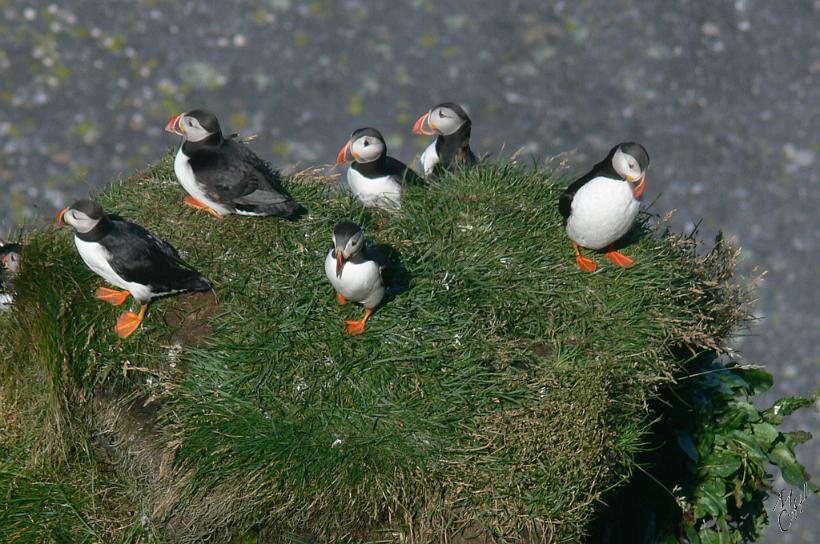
[{"x": 195, "y": 282}]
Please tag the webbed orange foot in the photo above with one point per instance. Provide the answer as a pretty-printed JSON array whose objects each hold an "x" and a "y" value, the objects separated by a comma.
[
  {"x": 112, "y": 296},
  {"x": 129, "y": 322}
]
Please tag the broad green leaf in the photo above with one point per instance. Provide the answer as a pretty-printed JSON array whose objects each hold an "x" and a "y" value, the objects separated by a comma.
[
  {"x": 745, "y": 441},
  {"x": 687, "y": 445},
  {"x": 765, "y": 434},
  {"x": 793, "y": 472},
  {"x": 758, "y": 379},
  {"x": 709, "y": 498},
  {"x": 784, "y": 407},
  {"x": 723, "y": 465}
]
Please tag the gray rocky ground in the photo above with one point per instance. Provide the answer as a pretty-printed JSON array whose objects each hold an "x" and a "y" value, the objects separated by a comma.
[{"x": 724, "y": 95}]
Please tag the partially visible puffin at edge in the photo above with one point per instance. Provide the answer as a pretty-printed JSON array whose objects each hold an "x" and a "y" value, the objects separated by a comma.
[
  {"x": 10, "y": 255},
  {"x": 354, "y": 274},
  {"x": 222, "y": 175},
  {"x": 129, "y": 257},
  {"x": 374, "y": 177},
  {"x": 599, "y": 207},
  {"x": 451, "y": 125}
]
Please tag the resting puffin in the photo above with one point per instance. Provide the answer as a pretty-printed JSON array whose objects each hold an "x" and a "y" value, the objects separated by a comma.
[
  {"x": 600, "y": 206},
  {"x": 354, "y": 275},
  {"x": 129, "y": 257},
  {"x": 375, "y": 178},
  {"x": 223, "y": 175},
  {"x": 10, "y": 254},
  {"x": 451, "y": 125}
]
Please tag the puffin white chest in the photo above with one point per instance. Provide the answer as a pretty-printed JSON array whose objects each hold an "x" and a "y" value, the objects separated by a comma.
[
  {"x": 429, "y": 159},
  {"x": 359, "y": 282},
  {"x": 383, "y": 192},
  {"x": 187, "y": 178},
  {"x": 97, "y": 258},
  {"x": 603, "y": 210}
]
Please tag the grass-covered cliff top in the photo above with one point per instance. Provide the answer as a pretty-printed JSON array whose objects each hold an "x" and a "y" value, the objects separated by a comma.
[{"x": 497, "y": 394}]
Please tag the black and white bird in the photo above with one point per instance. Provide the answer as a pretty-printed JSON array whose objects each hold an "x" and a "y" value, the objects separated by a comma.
[
  {"x": 451, "y": 125},
  {"x": 129, "y": 257},
  {"x": 10, "y": 255},
  {"x": 375, "y": 178},
  {"x": 355, "y": 276},
  {"x": 221, "y": 174},
  {"x": 599, "y": 207}
]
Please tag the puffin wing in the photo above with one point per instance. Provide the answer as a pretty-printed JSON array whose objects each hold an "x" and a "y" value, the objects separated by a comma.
[
  {"x": 401, "y": 171},
  {"x": 565, "y": 199},
  {"x": 138, "y": 256}
]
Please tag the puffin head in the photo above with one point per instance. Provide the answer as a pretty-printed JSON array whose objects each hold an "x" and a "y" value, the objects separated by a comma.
[
  {"x": 82, "y": 216},
  {"x": 194, "y": 126},
  {"x": 10, "y": 256},
  {"x": 630, "y": 160},
  {"x": 444, "y": 119},
  {"x": 348, "y": 240},
  {"x": 365, "y": 145}
]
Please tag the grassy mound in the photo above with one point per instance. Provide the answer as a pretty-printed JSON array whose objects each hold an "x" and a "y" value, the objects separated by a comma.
[{"x": 497, "y": 394}]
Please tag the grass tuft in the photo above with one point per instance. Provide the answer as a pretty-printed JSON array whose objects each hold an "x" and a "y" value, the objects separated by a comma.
[{"x": 498, "y": 392}]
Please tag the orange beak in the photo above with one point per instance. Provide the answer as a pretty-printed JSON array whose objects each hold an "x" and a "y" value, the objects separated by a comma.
[
  {"x": 340, "y": 262},
  {"x": 344, "y": 155},
  {"x": 638, "y": 191},
  {"x": 173, "y": 126},
  {"x": 423, "y": 126},
  {"x": 58, "y": 221}
]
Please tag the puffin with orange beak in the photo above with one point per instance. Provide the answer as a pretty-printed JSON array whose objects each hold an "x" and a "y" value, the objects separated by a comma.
[
  {"x": 451, "y": 126},
  {"x": 223, "y": 175},
  {"x": 354, "y": 275},
  {"x": 129, "y": 257},
  {"x": 375, "y": 178},
  {"x": 10, "y": 255},
  {"x": 600, "y": 207}
]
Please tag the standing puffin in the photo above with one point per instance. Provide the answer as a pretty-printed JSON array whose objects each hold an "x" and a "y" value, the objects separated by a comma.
[
  {"x": 129, "y": 257},
  {"x": 10, "y": 254},
  {"x": 354, "y": 275},
  {"x": 373, "y": 177},
  {"x": 223, "y": 175},
  {"x": 600, "y": 206},
  {"x": 451, "y": 125}
]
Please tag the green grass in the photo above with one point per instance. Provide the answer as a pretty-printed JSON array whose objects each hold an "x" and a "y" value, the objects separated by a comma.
[{"x": 499, "y": 393}]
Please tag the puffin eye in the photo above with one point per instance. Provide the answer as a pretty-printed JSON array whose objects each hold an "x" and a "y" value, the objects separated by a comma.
[{"x": 366, "y": 143}]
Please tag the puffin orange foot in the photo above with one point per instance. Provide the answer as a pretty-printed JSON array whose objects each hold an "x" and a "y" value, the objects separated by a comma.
[
  {"x": 129, "y": 322},
  {"x": 355, "y": 328},
  {"x": 198, "y": 205},
  {"x": 584, "y": 263},
  {"x": 112, "y": 296},
  {"x": 619, "y": 258},
  {"x": 342, "y": 300}
]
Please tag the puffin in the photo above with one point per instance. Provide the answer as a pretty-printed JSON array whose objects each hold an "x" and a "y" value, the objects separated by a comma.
[
  {"x": 130, "y": 257},
  {"x": 355, "y": 276},
  {"x": 10, "y": 254},
  {"x": 222, "y": 175},
  {"x": 374, "y": 177},
  {"x": 599, "y": 207},
  {"x": 451, "y": 125}
]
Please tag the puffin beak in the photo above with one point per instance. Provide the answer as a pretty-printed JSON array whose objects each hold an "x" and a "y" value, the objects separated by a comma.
[
  {"x": 58, "y": 221},
  {"x": 174, "y": 127},
  {"x": 424, "y": 126},
  {"x": 340, "y": 262},
  {"x": 345, "y": 154},
  {"x": 638, "y": 190}
]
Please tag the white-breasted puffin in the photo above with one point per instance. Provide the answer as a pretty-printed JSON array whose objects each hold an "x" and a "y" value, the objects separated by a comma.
[
  {"x": 223, "y": 175},
  {"x": 374, "y": 177},
  {"x": 129, "y": 257},
  {"x": 10, "y": 255},
  {"x": 600, "y": 206},
  {"x": 451, "y": 125},
  {"x": 354, "y": 275}
]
